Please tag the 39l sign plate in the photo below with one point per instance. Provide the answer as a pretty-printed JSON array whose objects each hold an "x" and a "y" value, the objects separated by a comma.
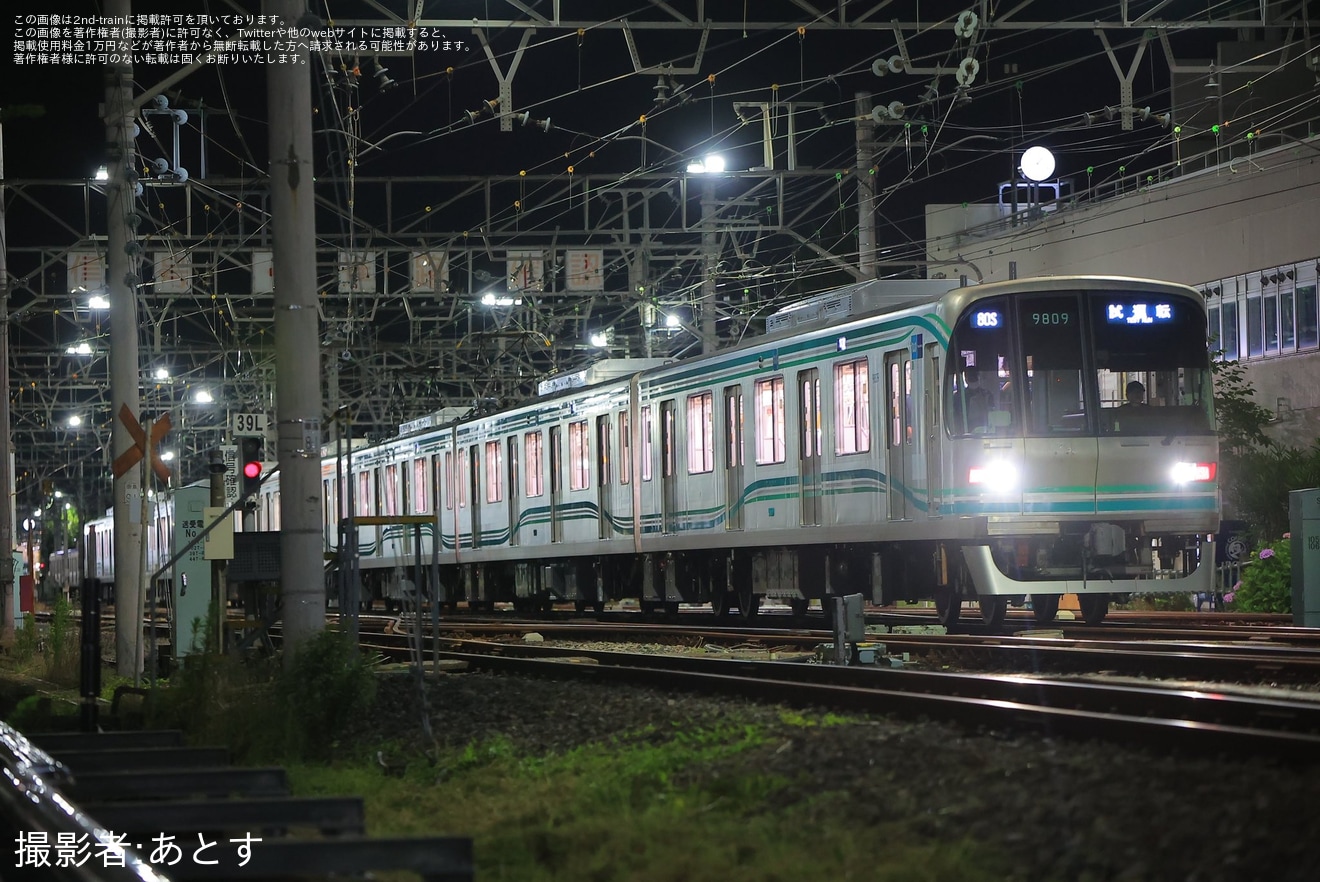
[{"x": 249, "y": 423}]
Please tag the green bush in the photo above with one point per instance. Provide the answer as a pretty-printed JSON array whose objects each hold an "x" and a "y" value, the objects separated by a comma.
[
  {"x": 1266, "y": 584},
  {"x": 329, "y": 685}
]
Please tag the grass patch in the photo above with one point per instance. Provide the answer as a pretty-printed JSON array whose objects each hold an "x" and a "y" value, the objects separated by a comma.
[{"x": 649, "y": 806}]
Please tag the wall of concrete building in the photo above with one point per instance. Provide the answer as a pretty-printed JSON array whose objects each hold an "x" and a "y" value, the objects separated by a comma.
[{"x": 1256, "y": 214}]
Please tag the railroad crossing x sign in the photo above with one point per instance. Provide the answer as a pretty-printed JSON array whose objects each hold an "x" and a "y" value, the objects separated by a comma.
[{"x": 133, "y": 455}]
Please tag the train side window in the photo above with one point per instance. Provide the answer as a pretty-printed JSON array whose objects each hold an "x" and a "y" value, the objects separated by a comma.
[
  {"x": 701, "y": 433},
  {"x": 852, "y": 407},
  {"x": 461, "y": 477},
  {"x": 579, "y": 456},
  {"x": 494, "y": 472},
  {"x": 1051, "y": 333},
  {"x": 364, "y": 493},
  {"x": 646, "y": 443},
  {"x": 390, "y": 493},
  {"x": 449, "y": 480},
  {"x": 421, "y": 505},
  {"x": 274, "y": 519},
  {"x": 770, "y": 421},
  {"x": 625, "y": 448},
  {"x": 535, "y": 468}
]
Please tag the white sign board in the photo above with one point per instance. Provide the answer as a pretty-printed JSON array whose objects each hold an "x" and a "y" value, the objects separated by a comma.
[
  {"x": 430, "y": 271},
  {"x": 249, "y": 423},
  {"x": 263, "y": 272},
  {"x": 86, "y": 271},
  {"x": 229, "y": 456},
  {"x": 357, "y": 271},
  {"x": 584, "y": 270},
  {"x": 173, "y": 272}
]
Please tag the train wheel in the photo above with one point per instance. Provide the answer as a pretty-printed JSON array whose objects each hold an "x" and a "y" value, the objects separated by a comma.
[
  {"x": 719, "y": 602},
  {"x": 1094, "y": 607},
  {"x": 1044, "y": 607},
  {"x": 799, "y": 606},
  {"x": 947, "y": 606},
  {"x": 993, "y": 609},
  {"x": 749, "y": 602}
]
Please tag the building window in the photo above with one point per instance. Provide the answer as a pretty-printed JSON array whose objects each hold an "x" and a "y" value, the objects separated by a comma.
[
  {"x": 852, "y": 408},
  {"x": 770, "y": 421},
  {"x": 535, "y": 468},
  {"x": 579, "y": 456},
  {"x": 494, "y": 472},
  {"x": 701, "y": 433}
]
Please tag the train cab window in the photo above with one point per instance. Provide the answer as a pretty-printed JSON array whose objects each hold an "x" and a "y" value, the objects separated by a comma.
[
  {"x": 421, "y": 505},
  {"x": 1050, "y": 329},
  {"x": 579, "y": 456},
  {"x": 625, "y": 448},
  {"x": 494, "y": 472},
  {"x": 852, "y": 407},
  {"x": 769, "y": 396},
  {"x": 978, "y": 386},
  {"x": 701, "y": 433},
  {"x": 1152, "y": 367},
  {"x": 535, "y": 460},
  {"x": 646, "y": 443}
]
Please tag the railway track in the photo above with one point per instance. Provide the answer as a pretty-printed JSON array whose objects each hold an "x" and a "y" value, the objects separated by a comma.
[{"x": 1154, "y": 716}]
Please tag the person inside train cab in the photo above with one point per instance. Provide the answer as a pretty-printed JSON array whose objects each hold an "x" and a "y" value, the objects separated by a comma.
[
  {"x": 975, "y": 402},
  {"x": 1136, "y": 395}
]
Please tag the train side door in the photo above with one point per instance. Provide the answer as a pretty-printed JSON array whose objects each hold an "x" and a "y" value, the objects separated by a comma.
[
  {"x": 668, "y": 466},
  {"x": 809, "y": 484},
  {"x": 515, "y": 488},
  {"x": 603, "y": 488},
  {"x": 733, "y": 457},
  {"x": 899, "y": 433},
  {"x": 556, "y": 483}
]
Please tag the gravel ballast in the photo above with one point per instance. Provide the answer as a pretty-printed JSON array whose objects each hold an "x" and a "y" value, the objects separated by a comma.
[{"x": 1066, "y": 809}]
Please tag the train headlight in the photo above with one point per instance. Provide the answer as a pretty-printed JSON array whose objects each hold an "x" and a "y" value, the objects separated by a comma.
[
  {"x": 1193, "y": 472},
  {"x": 996, "y": 477}
]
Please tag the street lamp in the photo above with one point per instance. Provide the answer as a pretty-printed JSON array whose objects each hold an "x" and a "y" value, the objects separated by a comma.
[{"x": 1037, "y": 163}]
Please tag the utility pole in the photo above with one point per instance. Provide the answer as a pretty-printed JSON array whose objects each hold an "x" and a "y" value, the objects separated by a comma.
[
  {"x": 865, "y": 186},
  {"x": 297, "y": 335},
  {"x": 710, "y": 254},
  {"x": 8, "y": 594},
  {"x": 121, "y": 276}
]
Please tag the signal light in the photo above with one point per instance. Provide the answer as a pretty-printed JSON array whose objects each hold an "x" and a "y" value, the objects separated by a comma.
[{"x": 250, "y": 457}]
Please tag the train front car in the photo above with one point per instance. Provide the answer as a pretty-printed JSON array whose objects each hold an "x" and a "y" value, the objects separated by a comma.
[{"x": 1080, "y": 428}]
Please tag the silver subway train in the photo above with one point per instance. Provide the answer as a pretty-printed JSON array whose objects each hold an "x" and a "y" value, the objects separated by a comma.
[{"x": 1034, "y": 437}]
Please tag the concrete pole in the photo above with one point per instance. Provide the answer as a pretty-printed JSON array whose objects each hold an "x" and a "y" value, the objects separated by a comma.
[
  {"x": 8, "y": 594},
  {"x": 710, "y": 253},
  {"x": 865, "y": 186},
  {"x": 121, "y": 275},
  {"x": 297, "y": 336}
]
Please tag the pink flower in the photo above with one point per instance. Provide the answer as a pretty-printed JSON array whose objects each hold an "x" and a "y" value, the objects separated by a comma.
[
  {"x": 1228, "y": 598},
  {"x": 1287, "y": 535},
  {"x": 1236, "y": 585},
  {"x": 1266, "y": 553}
]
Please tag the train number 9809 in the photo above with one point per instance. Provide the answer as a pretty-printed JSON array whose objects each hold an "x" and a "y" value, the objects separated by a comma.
[{"x": 1050, "y": 318}]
